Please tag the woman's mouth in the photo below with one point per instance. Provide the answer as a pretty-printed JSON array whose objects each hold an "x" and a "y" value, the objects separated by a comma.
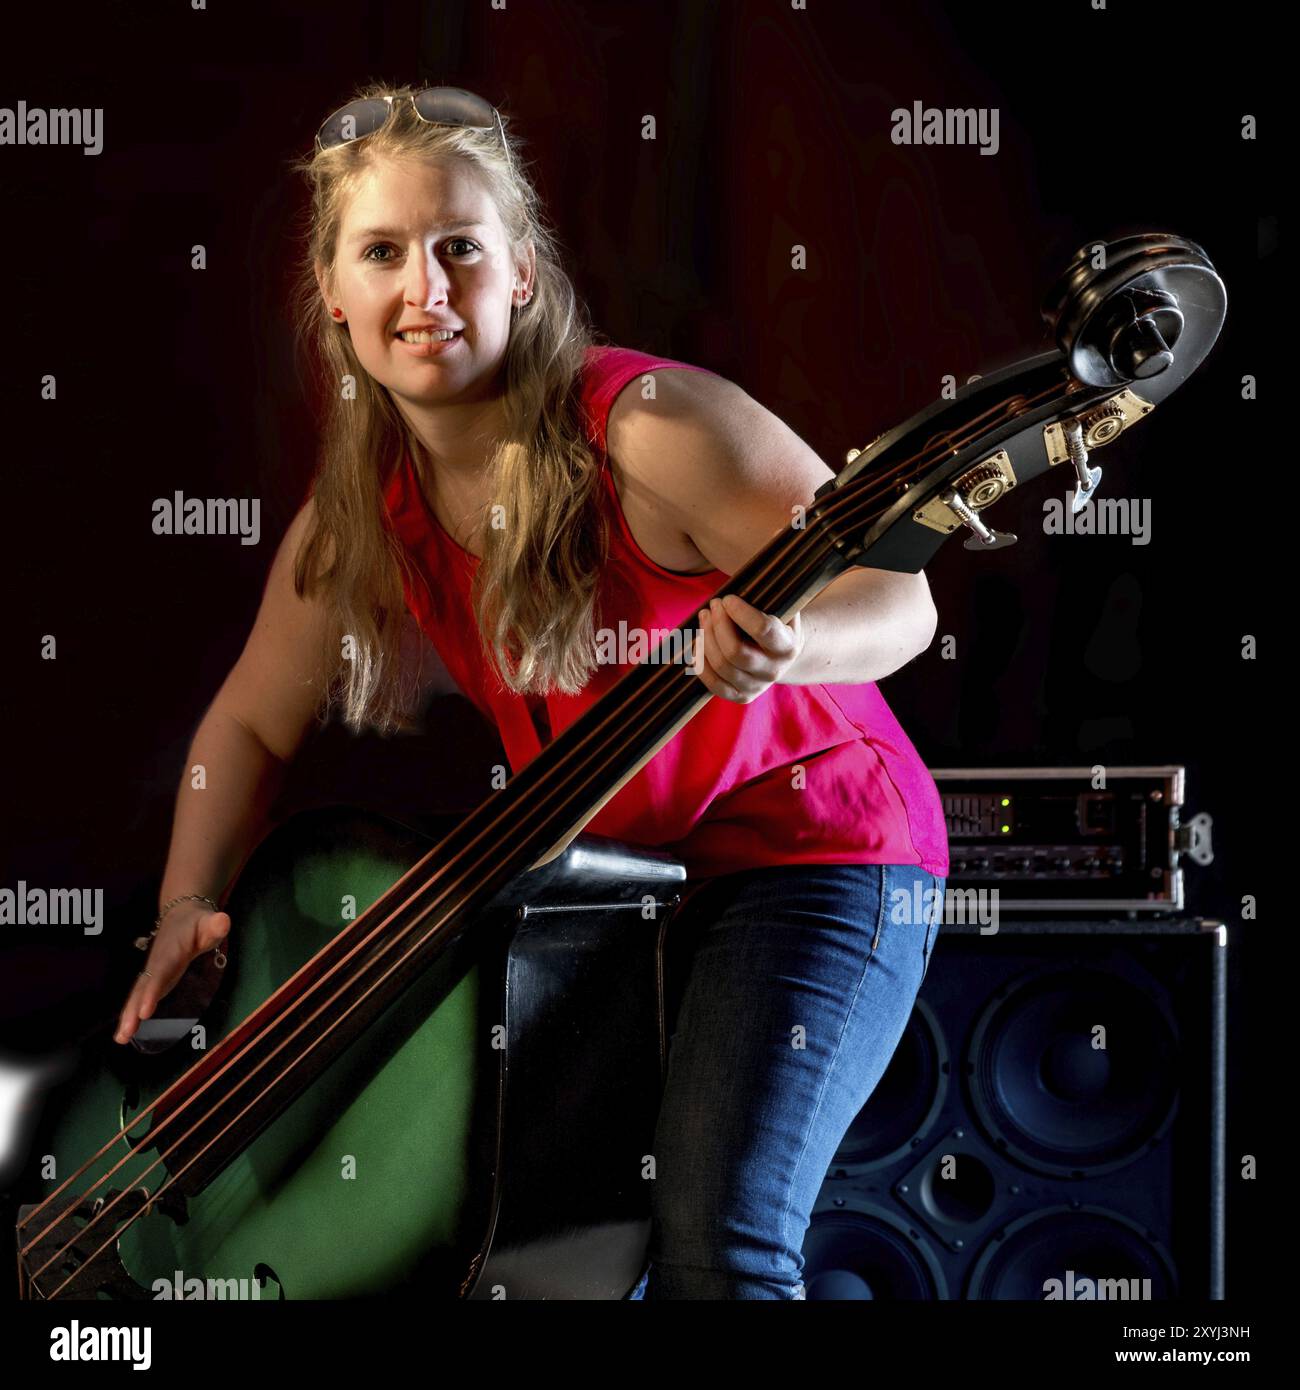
[{"x": 427, "y": 344}]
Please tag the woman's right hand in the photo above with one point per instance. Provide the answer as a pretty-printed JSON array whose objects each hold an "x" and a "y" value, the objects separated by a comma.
[{"x": 186, "y": 932}]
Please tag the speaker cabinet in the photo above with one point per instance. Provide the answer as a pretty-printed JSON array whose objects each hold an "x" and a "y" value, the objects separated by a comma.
[{"x": 1051, "y": 1125}]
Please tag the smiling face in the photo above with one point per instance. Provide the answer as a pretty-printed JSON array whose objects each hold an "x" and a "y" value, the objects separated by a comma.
[{"x": 424, "y": 244}]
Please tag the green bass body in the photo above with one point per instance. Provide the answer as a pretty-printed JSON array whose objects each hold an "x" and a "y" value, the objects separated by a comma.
[{"x": 485, "y": 1137}]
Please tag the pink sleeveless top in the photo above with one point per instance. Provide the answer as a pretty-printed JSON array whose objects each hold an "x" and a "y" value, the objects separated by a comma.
[{"x": 722, "y": 793}]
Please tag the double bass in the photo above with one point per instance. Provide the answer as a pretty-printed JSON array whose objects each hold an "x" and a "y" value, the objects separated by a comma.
[{"x": 434, "y": 1058}]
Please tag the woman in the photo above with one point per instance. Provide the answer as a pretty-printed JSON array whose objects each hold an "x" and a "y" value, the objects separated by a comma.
[{"x": 484, "y": 468}]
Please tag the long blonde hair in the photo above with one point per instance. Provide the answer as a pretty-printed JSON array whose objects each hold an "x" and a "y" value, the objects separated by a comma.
[{"x": 534, "y": 590}]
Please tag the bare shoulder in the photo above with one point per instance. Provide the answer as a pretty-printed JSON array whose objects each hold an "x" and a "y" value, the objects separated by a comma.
[
  {"x": 714, "y": 461},
  {"x": 673, "y": 401}
]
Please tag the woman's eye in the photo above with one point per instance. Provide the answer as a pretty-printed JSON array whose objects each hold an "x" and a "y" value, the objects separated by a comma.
[{"x": 386, "y": 246}]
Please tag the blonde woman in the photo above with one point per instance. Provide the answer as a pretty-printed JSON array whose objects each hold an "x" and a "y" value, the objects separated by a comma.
[{"x": 518, "y": 487}]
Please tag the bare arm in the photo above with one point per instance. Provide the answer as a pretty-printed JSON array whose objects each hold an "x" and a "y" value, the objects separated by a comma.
[
  {"x": 219, "y": 821},
  {"x": 236, "y": 765},
  {"x": 732, "y": 477}
]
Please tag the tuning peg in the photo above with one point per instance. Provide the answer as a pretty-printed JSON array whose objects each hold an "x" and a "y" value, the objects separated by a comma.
[
  {"x": 1088, "y": 477},
  {"x": 983, "y": 538}
]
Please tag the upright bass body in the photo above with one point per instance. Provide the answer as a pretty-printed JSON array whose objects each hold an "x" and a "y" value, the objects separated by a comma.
[{"x": 485, "y": 1139}]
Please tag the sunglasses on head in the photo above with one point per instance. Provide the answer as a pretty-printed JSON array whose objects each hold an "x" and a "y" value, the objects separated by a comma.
[{"x": 436, "y": 105}]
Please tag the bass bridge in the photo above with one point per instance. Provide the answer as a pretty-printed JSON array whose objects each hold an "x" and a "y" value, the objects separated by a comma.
[{"x": 75, "y": 1255}]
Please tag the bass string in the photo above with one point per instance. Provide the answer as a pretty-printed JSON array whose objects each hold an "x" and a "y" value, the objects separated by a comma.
[
  {"x": 953, "y": 441},
  {"x": 857, "y": 503},
  {"x": 843, "y": 506},
  {"x": 648, "y": 695},
  {"x": 107, "y": 1211},
  {"x": 939, "y": 444},
  {"x": 850, "y": 501}
]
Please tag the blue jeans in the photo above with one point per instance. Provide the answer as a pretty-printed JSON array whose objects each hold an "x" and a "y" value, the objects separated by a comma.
[{"x": 800, "y": 985}]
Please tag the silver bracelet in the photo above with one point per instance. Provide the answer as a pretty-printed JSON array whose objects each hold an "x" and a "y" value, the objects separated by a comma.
[{"x": 143, "y": 943}]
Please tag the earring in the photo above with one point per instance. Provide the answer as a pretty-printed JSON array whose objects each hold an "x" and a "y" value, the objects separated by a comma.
[{"x": 338, "y": 313}]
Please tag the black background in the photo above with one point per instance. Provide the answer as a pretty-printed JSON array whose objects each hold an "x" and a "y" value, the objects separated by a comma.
[{"x": 773, "y": 129}]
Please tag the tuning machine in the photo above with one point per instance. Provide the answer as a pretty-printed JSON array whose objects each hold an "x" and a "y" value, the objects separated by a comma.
[
  {"x": 1069, "y": 439},
  {"x": 1088, "y": 478},
  {"x": 960, "y": 503}
]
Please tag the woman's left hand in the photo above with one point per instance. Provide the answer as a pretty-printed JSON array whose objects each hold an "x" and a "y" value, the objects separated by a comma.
[{"x": 738, "y": 670}]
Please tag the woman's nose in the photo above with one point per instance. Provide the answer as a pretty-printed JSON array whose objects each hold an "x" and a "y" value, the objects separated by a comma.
[{"x": 427, "y": 280}]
